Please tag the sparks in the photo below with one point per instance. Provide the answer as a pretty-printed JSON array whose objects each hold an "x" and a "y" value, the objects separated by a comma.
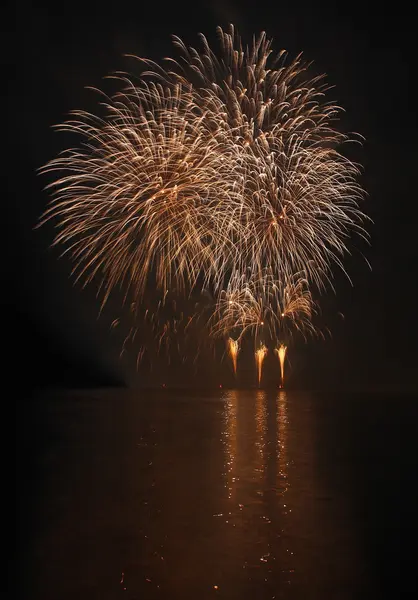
[
  {"x": 260, "y": 355},
  {"x": 281, "y": 353},
  {"x": 220, "y": 174},
  {"x": 233, "y": 348}
]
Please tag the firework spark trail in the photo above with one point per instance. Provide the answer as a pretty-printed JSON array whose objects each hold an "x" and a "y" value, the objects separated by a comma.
[
  {"x": 166, "y": 328},
  {"x": 262, "y": 304},
  {"x": 219, "y": 171},
  {"x": 146, "y": 192},
  {"x": 233, "y": 349},
  {"x": 260, "y": 355},
  {"x": 281, "y": 353},
  {"x": 300, "y": 195}
]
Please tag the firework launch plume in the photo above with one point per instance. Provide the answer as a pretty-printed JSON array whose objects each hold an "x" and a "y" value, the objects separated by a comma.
[
  {"x": 233, "y": 349},
  {"x": 281, "y": 354},
  {"x": 260, "y": 355}
]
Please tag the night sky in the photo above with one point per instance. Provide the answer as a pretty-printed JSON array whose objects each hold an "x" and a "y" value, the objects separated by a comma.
[{"x": 54, "y": 50}]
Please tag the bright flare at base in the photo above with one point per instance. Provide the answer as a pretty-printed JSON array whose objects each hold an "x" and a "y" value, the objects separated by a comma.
[
  {"x": 233, "y": 348},
  {"x": 260, "y": 355},
  {"x": 281, "y": 353}
]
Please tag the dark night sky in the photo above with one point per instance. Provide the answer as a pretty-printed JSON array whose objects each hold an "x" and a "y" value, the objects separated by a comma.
[{"x": 54, "y": 50}]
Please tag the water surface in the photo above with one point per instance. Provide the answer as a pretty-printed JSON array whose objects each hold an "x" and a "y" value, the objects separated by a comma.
[{"x": 236, "y": 494}]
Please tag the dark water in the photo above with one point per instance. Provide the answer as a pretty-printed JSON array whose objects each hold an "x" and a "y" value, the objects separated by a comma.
[{"x": 238, "y": 495}]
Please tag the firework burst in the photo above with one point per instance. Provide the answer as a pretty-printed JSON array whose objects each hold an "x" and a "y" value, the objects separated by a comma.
[
  {"x": 264, "y": 307},
  {"x": 220, "y": 172},
  {"x": 145, "y": 196}
]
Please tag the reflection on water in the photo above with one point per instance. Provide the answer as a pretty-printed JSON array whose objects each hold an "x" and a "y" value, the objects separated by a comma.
[
  {"x": 257, "y": 466},
  {"x": 200, "y": 497}
]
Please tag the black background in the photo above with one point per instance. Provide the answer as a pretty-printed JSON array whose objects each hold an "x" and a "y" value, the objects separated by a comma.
[{"x": 54, "y": 50}]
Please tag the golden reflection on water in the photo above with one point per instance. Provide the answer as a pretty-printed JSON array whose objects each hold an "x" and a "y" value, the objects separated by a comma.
[
  {"x": 266, "y": 451},
  {"x": 216, "y": 498},
  {"x": 260, "y": 418},
  {"x": 230, "y": 434},
  {"x": 257, "y": 465},
  {"x": 281, "y": 442}
]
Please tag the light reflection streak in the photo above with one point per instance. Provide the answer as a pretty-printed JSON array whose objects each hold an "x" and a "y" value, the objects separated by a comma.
[
  {"x": 282, "y": 442},
  {"x": 257, "y": 473},
  {"x": 230, "y": 434},
  {"x": 260, "y": 420}
]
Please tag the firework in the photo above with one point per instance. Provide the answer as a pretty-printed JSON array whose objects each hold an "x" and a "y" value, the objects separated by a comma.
[
  {"x": 233, "y": 349},
  {"x": 300, "y": 195},
  {"x": 218, "y": 173},
  {"x": 164, "y": 327},
  {"x": 263, "y": 307},
  {"x": 260, "y": 355},
  {"x": 144, "y": 197},
  {"x": 281, "y": 353}
]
